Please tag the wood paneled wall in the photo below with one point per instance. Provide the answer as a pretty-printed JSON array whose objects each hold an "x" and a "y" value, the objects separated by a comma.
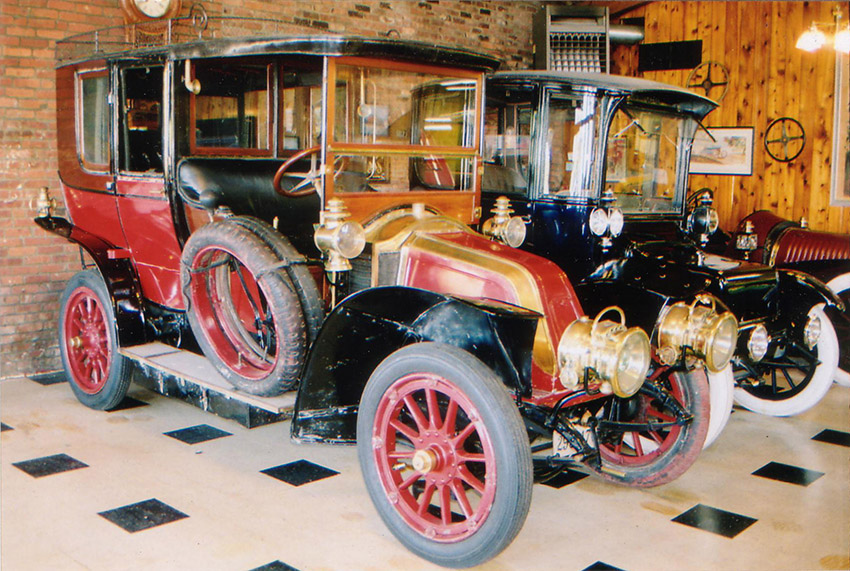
[{"x": 769, "y": 78}]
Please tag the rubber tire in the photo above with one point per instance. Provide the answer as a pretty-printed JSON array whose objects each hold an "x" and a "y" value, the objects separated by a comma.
[
  {"x": 676, "y": 460},
  {"x": 840, "y": 285},
  {"x": 90, "y": 285},
  {"x": 255, "y": 256},
  {"x": 819, "y": 384},
  {"x": 305, "y": 286},
  {"x": 721, "y": 388},
  {"x": 502, "y": 423}
]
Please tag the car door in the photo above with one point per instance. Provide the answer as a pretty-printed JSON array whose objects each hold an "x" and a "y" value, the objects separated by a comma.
[{"x": 140, "y": 183}]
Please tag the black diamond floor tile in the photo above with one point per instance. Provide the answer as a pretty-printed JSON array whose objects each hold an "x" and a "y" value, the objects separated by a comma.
[
  {"x": 787, "y": 473},
  {"x": 4, "y": 427},
  {"x": 275, "y": 566},
  {"x": 48, "y": 465},
  {"x": 601, "y": 566},
  {"x": 560, "y": 479},
  {"x": 299, "y": 472},
  {"x": 199, "y": 433},
  {"x": 129, "y": 402},
  {"x": 833, "y": 437},
  {"x": 715, "y": 520},
  {"x": 49, "y": 378},
  {"x": 143, "y": 515}
]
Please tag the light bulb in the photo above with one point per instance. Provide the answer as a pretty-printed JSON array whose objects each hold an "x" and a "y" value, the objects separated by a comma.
[
  {"x": 811, "y": 40},
  {"x": 842, "y": 41}
]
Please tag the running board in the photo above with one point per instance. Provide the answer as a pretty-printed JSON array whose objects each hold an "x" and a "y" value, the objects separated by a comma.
[{"x": 191, "y": 378}]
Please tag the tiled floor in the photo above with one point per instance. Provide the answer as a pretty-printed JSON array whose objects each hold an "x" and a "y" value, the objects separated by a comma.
[{"x": 160, "y": 484}]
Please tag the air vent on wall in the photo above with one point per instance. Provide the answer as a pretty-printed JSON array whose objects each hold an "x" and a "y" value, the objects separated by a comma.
[{"x": 572, "y": 38}]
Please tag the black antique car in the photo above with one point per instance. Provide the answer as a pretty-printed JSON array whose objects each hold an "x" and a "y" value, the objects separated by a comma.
[
  {"x": 299, "y": 209},
  {"x": 598, "y": 167},
  {"x": 769, "y": 239}
]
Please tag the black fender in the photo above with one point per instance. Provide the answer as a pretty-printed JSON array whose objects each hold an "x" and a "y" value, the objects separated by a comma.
[
  {"x": 117, "y": 272},
  {"x": 368, "y": 326},
  {"x": 799, "y": 291}
]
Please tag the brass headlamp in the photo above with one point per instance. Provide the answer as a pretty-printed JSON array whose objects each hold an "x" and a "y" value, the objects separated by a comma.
[
  {"x": 339, "y": 238},
  {"x": 710, "y": 335},
  {"x": 507, "y": 229},
  {"x": 617, "y": 357}
]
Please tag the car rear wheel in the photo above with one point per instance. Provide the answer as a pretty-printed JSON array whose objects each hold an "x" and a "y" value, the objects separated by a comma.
[
  {"x": 243, "y": 308},
  {"x": 653, "y": 437},
  {"x": 792, "y": 379},
  {"x": 444, "y": 454},
  {"x": 88, "y": 343}
]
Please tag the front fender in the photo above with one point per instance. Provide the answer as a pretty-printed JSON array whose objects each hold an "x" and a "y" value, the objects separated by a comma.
[
  {"x": 116, "y": 270},
  {"x": 799, "y": 291},
  {"x": 368, "y": 326}
]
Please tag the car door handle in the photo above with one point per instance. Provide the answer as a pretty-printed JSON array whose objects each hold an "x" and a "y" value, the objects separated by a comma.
[{"x": 110, "y": 185}]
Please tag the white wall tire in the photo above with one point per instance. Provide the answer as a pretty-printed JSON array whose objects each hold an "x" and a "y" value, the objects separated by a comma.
[
  {"x": 755, "y": 400},
  {"x": 840, "y": 285},
  {"x": 721, "y": 389}
]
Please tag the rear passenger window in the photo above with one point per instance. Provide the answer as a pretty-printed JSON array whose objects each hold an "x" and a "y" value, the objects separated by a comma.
[{"x": 93, "y": 120}]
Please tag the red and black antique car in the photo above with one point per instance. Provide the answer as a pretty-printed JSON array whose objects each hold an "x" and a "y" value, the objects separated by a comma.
[{"x": 300, "y": 207}]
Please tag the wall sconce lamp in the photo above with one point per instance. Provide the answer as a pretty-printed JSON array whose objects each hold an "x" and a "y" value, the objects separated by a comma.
[{"x": 814, "y": 38}]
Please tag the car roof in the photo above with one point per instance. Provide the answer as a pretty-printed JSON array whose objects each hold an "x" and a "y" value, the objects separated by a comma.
[
  {"x": 684, "y": 99},
  {"x": 122, "y": 42}
]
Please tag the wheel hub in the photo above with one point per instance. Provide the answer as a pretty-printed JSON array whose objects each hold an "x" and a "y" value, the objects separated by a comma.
[{"x": 424, "y": 461}]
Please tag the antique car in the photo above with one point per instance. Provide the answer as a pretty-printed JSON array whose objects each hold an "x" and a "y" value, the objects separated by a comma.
[
  {"x": 598, "y": 167},
  {"x": 299, "y": 210},
  {"x": 769, "y": 239}
]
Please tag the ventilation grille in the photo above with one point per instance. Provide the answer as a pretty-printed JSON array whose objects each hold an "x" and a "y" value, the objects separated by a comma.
[{"x": 578, "y": 51}]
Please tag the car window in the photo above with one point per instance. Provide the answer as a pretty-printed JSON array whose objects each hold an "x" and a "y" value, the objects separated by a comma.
[
  {"x": 140, "y": 144},
  {"x": 507, "y": 139},
  {"x": 570, "y": 144},
  {"x": 93, "y": 120},
  {"x": 232, "y": 108},
  {"x": 402, "y": 128},
  {"x": 643, "y": 154}
]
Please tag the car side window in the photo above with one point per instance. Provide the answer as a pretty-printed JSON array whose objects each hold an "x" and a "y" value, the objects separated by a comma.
[
  {"x": 569, "y": 144},
  {"x": 232, "y": 111},
  {"x": 507, "y": 140},
  {"x": 93, "y": 120},
  {"x": 140, "y": 144}
]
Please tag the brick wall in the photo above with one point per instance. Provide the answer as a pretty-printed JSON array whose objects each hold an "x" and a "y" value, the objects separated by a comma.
[{"x": 35, "y": 265}]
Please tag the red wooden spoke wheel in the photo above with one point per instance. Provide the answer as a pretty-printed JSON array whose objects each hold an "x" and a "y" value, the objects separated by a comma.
[
  {"x": 88, "y": 342},
  {"x": 658, "y": 449},
  {"x": 444, "y": 454},
  {"x": 433, "y": 458}
]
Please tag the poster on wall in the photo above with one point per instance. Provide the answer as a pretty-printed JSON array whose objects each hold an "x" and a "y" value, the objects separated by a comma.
[
  {"x": 841, "y": 133},
  {"x": 728, "y": 150}
]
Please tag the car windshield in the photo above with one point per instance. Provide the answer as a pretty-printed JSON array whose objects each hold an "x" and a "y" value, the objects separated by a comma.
[
  {"x": 644, "y": 152},
  {"x": 398, "y": 129}
]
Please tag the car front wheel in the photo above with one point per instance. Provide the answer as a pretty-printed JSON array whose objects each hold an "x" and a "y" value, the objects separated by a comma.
[{"x": 444, "y": 454}]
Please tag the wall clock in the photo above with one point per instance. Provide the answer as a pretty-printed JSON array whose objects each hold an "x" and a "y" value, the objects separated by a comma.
[{"x": 144, "y": 10}]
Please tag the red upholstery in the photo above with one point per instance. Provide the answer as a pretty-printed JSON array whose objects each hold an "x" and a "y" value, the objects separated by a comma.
[{"x": 801, "y": 245}]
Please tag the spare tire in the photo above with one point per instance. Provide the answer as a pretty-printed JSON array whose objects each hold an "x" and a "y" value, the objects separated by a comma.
[{"x": 243, "y": 309}]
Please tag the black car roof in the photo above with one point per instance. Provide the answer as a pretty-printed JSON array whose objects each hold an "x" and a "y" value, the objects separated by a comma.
[
  {"x": 684, "y": 99},
  {"x": 177, "y": 41}
]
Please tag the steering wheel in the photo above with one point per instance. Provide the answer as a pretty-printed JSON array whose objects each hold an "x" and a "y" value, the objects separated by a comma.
[{"x": 306, "y": 185}]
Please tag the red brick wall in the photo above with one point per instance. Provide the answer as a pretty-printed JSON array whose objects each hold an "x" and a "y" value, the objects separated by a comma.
[{"x": 35, "y": 265}]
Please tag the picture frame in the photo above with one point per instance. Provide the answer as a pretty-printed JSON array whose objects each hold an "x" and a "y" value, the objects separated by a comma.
[
  {"x": 840, "y": 169},
  {"x": 729, "y": 153}
]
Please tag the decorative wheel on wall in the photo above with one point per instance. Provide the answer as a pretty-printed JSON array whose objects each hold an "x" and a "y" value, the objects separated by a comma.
[
  {"x": 712, "y": 77},
  {"x": 784, "y": 139}
]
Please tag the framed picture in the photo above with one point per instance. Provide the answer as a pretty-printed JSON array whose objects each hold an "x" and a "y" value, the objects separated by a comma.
[
  {"x": 841, "y": 133},
  {"x": 730, "y": 152}
]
